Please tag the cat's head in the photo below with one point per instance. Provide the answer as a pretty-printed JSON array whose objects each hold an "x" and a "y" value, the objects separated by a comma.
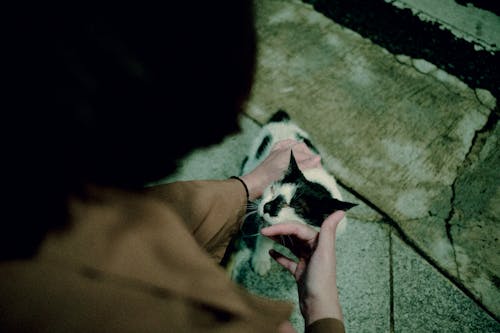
[{"x": 295, "y": 198}]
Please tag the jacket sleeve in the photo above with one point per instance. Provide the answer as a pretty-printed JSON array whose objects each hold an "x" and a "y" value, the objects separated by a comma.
[
  {"x": 211, "y": 209},
  {"x": 330, "y": 325}
]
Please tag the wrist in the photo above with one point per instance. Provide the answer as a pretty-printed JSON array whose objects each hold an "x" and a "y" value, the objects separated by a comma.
[
  {"x": 313, "y": 310},
  {"x": 255, "y": 189},
  {"x": 244, "y": 186}
]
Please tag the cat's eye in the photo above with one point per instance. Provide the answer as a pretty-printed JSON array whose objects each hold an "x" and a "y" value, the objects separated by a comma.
[{"x": 300, "y": 205}]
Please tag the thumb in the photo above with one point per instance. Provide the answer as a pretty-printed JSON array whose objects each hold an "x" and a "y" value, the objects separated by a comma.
[{"x": 326, "y": 240}]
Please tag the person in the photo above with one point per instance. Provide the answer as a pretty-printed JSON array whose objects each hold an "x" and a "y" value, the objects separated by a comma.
[{"x": 101, "y": 102}]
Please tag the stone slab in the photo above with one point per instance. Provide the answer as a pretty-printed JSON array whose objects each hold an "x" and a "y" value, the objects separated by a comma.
[
  {"x": 425, "y": 301},
  {"x": 394, "y": 129},
  {"x": 475, "y": 222},
  {"x": 363, "y": 273}
]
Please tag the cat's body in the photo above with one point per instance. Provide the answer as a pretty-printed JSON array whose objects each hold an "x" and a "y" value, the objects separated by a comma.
[{"x": 307, "y": 196}]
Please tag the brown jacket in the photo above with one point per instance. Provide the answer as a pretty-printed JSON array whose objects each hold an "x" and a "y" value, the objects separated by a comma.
[{"x": 140, "y": 262}]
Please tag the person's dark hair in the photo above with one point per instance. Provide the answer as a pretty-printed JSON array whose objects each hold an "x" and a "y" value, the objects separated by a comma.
[{"x": 113, "y": 96}]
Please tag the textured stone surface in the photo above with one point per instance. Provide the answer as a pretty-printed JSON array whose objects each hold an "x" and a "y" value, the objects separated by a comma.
[
  {"x": 474, "y": 223},
  {"x": 424, "y": 301},
  {"x": 396, "y": 132},
  {"x": 363, "y": 274}
]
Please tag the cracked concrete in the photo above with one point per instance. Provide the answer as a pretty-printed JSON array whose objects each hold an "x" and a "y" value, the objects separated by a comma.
[
  {"x": 437, "y": 305},
  {"x": 474, "y": 224},
  {"x": 396, "y": 130}
]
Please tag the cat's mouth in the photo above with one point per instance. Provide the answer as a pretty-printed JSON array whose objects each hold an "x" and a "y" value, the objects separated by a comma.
[
  {"x": 286, "y": 215},
  {"x": 266, "y": 218},
  {"x": 277, "y": 210}
]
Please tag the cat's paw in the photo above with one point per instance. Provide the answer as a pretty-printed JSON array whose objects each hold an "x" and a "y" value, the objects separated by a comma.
[{"x": 261, "y": 265}]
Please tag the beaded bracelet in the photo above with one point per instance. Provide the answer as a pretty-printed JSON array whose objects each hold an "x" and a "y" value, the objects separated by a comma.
[{"x": 244, "y": 185}]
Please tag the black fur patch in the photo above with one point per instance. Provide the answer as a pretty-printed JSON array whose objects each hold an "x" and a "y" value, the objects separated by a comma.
[
  {"x": 279, "y": 116},
  {"x": 314, "y": 203},
  {"x": 262, "y": 146}
]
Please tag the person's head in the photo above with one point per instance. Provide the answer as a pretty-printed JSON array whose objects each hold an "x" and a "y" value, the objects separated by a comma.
[{"x": 115, "y": 96}]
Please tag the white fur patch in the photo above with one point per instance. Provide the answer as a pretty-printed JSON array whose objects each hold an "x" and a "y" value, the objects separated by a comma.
[
  {"x": 277, "y": 132},
  {"x": 287, "y": 191},
  {"x": 286, "y": 214}
]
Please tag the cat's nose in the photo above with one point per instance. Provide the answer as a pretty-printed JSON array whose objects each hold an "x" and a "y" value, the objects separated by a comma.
[
  {"x": 270, "y": 209},
  {"x": 274, "y": 206}
]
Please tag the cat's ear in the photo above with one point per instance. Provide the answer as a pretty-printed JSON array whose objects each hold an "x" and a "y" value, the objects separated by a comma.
[
  {"x": 279, "y": 116},
  {"x": 293, "y": 173},
  {"x": 342, "y": 205}
]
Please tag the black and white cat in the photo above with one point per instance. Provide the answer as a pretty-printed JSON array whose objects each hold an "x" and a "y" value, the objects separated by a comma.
[{"x": 307, "y": 196}]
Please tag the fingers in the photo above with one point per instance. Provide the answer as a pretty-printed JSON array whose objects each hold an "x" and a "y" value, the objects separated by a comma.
[
  {"x": 284, "y": 144},
  {"x": 298, "y": 238},
  {"x": 297, "y": 147},
  {"x": 305, "y": 158},
  {"x": 306, "y": 238},
  {"x": 284, "y": 261},
  {"x": 301, "y": 147},
  {"x": 301, "y": 231},
  {"x": 311, "y": 162}
]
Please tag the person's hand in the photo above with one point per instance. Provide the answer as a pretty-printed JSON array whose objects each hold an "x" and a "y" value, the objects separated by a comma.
[
  {"x": 276, "y": 163},
  {"x": 315, "y": 270}
]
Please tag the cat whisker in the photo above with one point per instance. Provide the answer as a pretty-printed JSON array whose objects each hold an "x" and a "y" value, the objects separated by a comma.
[
  {"x": 282, "y": 239},
  {"x": 257, "y": 220},
  {"x": 250, "y": 213},
  {"x": 286, "y": 240},
  {"x": 252, "y": 205},
  {"x": 299, "y": 192}
]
